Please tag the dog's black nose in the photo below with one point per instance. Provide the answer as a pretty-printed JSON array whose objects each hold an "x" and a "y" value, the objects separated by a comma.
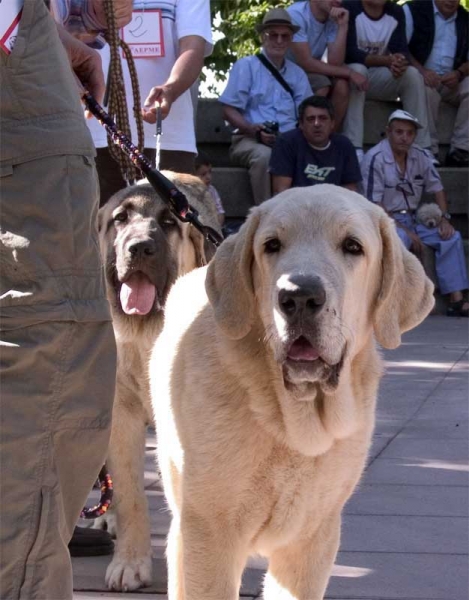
[
  {"x": 302, "y": 295},
  {"x": 142, "y": 248}
]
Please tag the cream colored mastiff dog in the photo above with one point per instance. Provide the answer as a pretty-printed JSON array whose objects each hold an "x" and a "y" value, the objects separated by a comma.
[{"x": 264, "y": 383}]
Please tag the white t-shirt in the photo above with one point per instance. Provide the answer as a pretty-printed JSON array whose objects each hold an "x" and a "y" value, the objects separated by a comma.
[
  {"x": 373, "y": 35},
  {"x": 180, "y": 18}
]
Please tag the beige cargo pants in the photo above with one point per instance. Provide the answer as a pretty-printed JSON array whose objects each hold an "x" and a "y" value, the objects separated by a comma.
[{"x": 57, "y": 350}]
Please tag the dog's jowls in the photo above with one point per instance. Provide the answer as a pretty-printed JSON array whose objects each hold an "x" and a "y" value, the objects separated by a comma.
[
  {"x": 263, "y": 384},
  {"x": 144, "y": 248}
]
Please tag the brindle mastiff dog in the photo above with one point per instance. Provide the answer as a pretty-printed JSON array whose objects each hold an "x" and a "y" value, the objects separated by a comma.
[{"x": 145, "y": 249}]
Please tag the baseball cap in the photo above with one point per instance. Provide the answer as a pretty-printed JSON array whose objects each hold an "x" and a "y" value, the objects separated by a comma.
[
  {"x": 403, "y": 115},
  {"x": 276, "y": 16}
]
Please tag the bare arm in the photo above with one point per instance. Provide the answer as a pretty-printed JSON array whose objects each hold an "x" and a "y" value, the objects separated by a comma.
[
  {"x": 85, "y": 62},
  {"x": 336, "y": 49},
  {"x": 185, "y": 71},
  {"x": 280, "y": 184},
  {"x": 373, "y": 60},
  {"x": 446, "y": 230},
  {"x": 454, "y": 78},
  {"x": 236, "y": 120},
  {"x": 350, "y": 186},
  {"x": 430, "y": 78},
  {"x": 309, "y": 64}
]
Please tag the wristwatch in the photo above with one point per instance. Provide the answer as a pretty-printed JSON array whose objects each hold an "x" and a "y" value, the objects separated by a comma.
[{"x": 447, "y": 216}]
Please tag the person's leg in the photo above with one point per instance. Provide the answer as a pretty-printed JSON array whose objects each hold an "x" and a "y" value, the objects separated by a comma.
[
  {"x": 177, "y": 160},
  {"x": 433, "y": 104},
  {"x": 248, "y": 153},
  {"x": 353, "y": 122},
  {"x": 57, "y": 382},
  {"x": 411, "y": 90},
  {"x": 57, "y": 369},
  {"x": 340, "y": 98},
  {"x": 459, "y": 149},
  {"x": 450, "y": 263},
  {"x": 405, "y": 220},
  {"x": 320, "y": 84}
]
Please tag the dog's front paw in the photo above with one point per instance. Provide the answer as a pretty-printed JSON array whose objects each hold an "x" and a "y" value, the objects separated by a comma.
[
  {"x": 127, "y": 574},
  {"x": 107, "y": 522}
]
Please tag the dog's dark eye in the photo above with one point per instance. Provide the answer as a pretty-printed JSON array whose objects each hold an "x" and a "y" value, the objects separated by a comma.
[
  {"x": 351, "y": 246},
  {"x": 272, "y": 245},
  {"x": 121, "y": 217},
  {"x": 168, "y": 222}
]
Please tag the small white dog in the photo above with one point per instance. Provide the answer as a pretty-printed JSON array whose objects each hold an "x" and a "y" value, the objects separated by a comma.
[{"x": 429, "y": 214}]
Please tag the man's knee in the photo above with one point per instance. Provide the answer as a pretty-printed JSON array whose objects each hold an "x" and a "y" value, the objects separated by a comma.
[
  {"x": 359, "y": 68},
  {"x": 464, "y": 89},
  {"x": 412, "y": 76},
  {"x": 341, "y": 88},
  {"x": 260, "y": 156}
]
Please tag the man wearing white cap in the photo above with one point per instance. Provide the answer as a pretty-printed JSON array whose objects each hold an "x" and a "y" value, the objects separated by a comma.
[
  {"x": 395, "y": 174},
  {"x": 261, "y": 99}
]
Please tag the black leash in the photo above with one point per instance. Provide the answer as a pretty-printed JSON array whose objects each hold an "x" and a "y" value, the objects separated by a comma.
[{"x": 177, "y": 201}]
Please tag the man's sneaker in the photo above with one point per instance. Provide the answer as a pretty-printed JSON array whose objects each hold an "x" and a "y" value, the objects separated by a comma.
[{"x": 457, "y": 158}]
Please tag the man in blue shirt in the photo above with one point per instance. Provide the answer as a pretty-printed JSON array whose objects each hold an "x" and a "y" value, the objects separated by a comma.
[
  {"x": 256, "y": 103},
  {"x": 438, "y": 33},
  {"x": 313, "y": 154}
]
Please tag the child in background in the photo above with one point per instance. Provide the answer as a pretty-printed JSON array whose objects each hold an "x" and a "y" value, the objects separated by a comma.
[{"x": 203, "y": 170}]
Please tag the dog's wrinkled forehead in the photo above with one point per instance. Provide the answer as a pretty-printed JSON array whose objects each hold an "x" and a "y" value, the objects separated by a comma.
[
  {"x": 142, "y": 200},
  {"x": 322, "y": 212}
]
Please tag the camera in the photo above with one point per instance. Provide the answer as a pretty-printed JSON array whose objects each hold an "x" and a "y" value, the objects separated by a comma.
[{"x": 270, "y": 127}]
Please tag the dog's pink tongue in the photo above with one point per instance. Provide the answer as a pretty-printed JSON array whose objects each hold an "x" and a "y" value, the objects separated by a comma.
[
  {"x": 137, "y": 295},
  {"x": 301, "y": 349}
]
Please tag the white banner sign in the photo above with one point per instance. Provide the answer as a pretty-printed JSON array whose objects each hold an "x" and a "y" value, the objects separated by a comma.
[{"x": 144, "y": 34}]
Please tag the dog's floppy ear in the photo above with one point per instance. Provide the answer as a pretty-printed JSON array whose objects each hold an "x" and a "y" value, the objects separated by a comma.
[
  {"x": 198, "y": 242},
  {"x": 406, "y": 294},
  {"x": 229, "y": 282}
]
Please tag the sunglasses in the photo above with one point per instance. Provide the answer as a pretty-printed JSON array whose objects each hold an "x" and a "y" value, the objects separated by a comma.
[{"x": 284, "y": 37}]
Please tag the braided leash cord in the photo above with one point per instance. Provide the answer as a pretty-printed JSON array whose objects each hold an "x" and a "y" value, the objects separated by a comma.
[
  {"x": 168, "y": 191},
  {"x": 117, "y": 103}
]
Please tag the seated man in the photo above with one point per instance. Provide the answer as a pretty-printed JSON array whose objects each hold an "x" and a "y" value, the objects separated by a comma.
[
  {"x": 395, "y": 174},
  {"x": 258, "y": 105},
  {"x": 377, "y": 48},
  {"x": 313, "y": 154},
  {"x": 438, "y": 34},
  {"x": 323, "y": 26}
]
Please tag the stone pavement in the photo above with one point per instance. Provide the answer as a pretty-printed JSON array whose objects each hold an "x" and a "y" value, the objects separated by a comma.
[{"x": 405, "y": 530}]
